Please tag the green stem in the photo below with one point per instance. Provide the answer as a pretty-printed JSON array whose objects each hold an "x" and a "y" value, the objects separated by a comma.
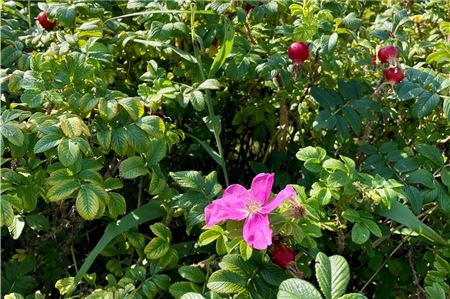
[{"x": 208, "y": 99}]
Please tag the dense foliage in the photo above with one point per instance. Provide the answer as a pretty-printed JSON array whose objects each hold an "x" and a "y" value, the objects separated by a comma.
[{"x": 122, "y": 121}]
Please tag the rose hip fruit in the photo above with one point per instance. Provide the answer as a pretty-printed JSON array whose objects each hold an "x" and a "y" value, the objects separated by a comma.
[
  {"x": 394, "y": 75},
  {"x": 387, "y": 53},
  {"x": 283, "y": 256},
  {"x": 298, "y": 52},
  {"x": 44, "y": 21}
]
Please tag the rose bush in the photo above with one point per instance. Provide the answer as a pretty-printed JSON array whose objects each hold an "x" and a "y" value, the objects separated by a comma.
[{"x": 141, "y": 142}]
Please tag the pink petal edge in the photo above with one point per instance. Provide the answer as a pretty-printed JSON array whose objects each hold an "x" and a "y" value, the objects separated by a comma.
[
  {"x": 262, "y": 187},
  {"x": 257, "y": 232},
  {"x": 285, "y": 194}
]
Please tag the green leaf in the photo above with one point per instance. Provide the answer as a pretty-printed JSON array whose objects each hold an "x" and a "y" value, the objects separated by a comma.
[
  {"x": 134, "y": 107},
  {"x": 133, "y": 167},
  {"x": 178, "y": 289},
  {"x": 32, "y": 97},
  {"x": 87, "y": 203},
  {"x": 62, "y": 189},
  {"x": 333, "y": 275},
  {"x": 430, "y": 152},
  {"x": 360, "y": 233},
  {"x": 68, "y": 152},
  {"x": 403, "y": 215},
  {"x": 13, "y": 133},
  {"x": 415, "y": 198},
  {"x": 353, "y": 296},
  {"x": 149, "y": 211},
  {"x": 225, "y": 49},
  {"x": 16, "y": 227},
  {"x": 445, "y": 176},
  {"x": 116, "y": 205},
  {"x": 446, "y": 108},
  {"x": 161, "y": 231},
  {"x": 226, "y": 282},
  {"x": 37, "y": 222},
  {"x": 294, "y": 288},
  {"x": 156, "y": 152},
  {"x": 71, "y": 126},
  {"x": 208, "y": 236},
  {"x": 66, "y": 285},
  {"x": 425, "y": 103},
  {"x": 209, "y": 84},
  {"x": 156, "y": 249},
  {"x": 372, "y": 226},
  {"x": 192, "y": 273},
  {"x": 47, "y": 142},
  {"x": 435, "y": 291},
  {"x": 153, "y": 125},
  {"x": 188, "y": 179},
  {"x": 245, "y": 250},
  {"x": 192, "y": 295},
  {"x": 311, "y": 153}
]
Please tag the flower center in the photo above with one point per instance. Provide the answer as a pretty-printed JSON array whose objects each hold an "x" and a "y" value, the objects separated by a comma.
[{"x": 253, "y": 207}]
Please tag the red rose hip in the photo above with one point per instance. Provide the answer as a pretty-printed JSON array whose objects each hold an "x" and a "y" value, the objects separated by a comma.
[
  {"x": 387, "y": 53},
  {"x": 44, "y": 21},
  {"x": 394, "y": 75},
  {"x": 298, "y": 52},
  {"x": 283, "y": 256}
]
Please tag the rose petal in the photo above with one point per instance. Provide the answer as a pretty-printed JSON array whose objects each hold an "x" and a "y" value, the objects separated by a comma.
[
  {"x": 257, "y": 232},
  {"x": 230, "y": 207},
  {"x": 286, "y": 193},
  {"x": 262, "y": 186}
]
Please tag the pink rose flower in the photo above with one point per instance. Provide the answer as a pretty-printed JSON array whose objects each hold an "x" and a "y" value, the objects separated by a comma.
[{"x": 238, "y": 203}]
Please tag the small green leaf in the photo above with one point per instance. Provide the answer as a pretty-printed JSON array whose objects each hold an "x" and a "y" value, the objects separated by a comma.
[
  {"x": 211, "y": 84},
  {"x": 13, "y": 133},
  {"x": 372, "y": 226},
  {"x": 116, "y": 205},
  {"x": 65, "y": 285},
  {"x": 353, "y": 296},
  {"x": 16, "y": 227},
  {"x": 133, "y": 167},
  {"x": 226, "y": 282},
  {"x": 63, "y": 189},
  {"x": 156, "y": 249},
  {"x": 208, "y": 236},
  {"x": 360, "y": 233},
  {"x": 333, "y": 275},
  {"x": 6, "y": 212},
  {"x": 178, "y": 289},
  {"x": 162, "y": 231},
  {"x": 430, "y": 152},
  {"x": 87, "y": 202},
  {"x": 245, "y": 250},
  {"x": 192, "y": 273},
  {"x": 47, "y": 142},
  {"x": 294, "y": 288},
  {"x": 68, "y": 152}
]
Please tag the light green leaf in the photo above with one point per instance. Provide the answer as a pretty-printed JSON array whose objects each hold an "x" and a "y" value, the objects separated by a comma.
[
  {"x": 333, "y": 275},
  {"x": 16, "y": 227},
  {"x": 360, "y": 233},
  {"x": 211, "y": 84},
  {"x": 192, "y": 273},
  {"x": 68, "y": 152},
  {"x": 71, "y": 126},
  {"x": 294, "y": 288},
  {"x": 153, "y": 125},
  {"x": 133, "y": 167},
  {"x": 13, "y": 133},
  {"x": 192, "y": 295},
  {"x": 62, "y": 189},
  {"x": 66, "y": 285},
  {"x": 353, "y": 296},
  {"x": 116, "y": 205},
  {"x": 161, "y": 231},
  {"x": 208, "y": 236},
  {"x": 372, "y": 226},
  {"x": 87, "y": 203},
  {"x": 225, "y": 49},
  {"x": 226, "y": 282},
  {"x": 156, "y": 249},
  {"x": 47, "y": 142},
  {"x": 6, "y": 212},
  {"x": 178, "y": 289},
  {"x": 134, "y": 107}
]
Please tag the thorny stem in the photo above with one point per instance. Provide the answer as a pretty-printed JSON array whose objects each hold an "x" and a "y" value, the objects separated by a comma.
[{"x": 208, "y": 99}]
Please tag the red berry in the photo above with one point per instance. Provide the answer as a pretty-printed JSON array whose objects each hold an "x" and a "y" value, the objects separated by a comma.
[
  {"x": 387, "y": 53},
  {"x": 249, "y": 7},
  {"x": 298, "y": 52},
  {"x": 394, "y": 75},
  {"x": 44, "y": 21},
  {"x": 283, "y": 256}
]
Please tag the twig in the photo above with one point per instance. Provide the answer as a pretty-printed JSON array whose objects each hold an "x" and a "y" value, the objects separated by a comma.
[
  {"x": 249, "y": 33},
  {"x": 312, "y": 76},
  {"x": 420, "y": 290}
]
